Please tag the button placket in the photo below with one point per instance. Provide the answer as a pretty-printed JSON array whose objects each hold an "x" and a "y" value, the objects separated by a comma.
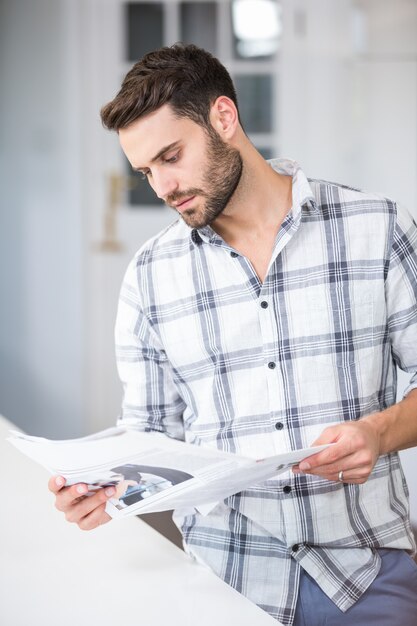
[
  {"x": 268, "y": 332},
  {"x": 291, "y": 512},
  {"x": 264, "y": 304}
]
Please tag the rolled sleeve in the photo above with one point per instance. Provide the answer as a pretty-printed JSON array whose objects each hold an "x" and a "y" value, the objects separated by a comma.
[{"x": 401, "y": 294}]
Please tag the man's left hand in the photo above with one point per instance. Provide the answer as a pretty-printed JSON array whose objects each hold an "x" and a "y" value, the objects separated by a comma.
[{"x": 352, "y": 457}]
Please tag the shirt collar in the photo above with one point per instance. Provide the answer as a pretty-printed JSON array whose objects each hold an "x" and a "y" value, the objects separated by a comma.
[
  {"x": 302, "y": 197},
  {"x": 302, "y": 194}
]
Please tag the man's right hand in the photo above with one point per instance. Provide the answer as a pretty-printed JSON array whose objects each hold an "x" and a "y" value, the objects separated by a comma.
[{"x": 88, "y": 512}]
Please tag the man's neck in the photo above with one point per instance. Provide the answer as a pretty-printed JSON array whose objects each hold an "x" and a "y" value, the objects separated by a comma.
[
  {"x": 259, "y": 205},
  {"x": 252, "y": 219}
]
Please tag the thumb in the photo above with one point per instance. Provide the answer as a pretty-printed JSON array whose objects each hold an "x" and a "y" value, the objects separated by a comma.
[{"x": 330, "y": 434}]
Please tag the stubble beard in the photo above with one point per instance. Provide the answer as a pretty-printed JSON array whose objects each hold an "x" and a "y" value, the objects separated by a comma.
[{"x": 224, "y": 171}]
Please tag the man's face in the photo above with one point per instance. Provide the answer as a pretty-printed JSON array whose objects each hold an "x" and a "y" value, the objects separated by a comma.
[{"x": 191, "y": 169}]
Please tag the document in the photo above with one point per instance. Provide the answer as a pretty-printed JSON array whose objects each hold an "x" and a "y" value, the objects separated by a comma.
[{"x": 152, "y": 472}]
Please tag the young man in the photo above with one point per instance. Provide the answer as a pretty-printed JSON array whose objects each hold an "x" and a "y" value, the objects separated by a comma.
[{"x": 269, "y": 316}]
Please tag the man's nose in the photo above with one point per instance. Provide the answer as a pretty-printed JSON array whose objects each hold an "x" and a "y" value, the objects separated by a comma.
[{"x": 164, "y": 184}]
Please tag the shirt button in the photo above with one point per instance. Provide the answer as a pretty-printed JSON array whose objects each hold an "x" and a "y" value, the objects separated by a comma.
[
  {"x": 279, "y": 425},
  {"x": 295, "y": 547},
  {"x": 272, "y": 365},
  {"x": 234, "y": 254},
  {"x": 287, "y": 489},
  {"x": 264, "y": 304}
]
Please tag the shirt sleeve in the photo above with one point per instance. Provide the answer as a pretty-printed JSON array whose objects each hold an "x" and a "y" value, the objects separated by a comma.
[
  {"x": 401, "y": 294},
  {"x": 150, "y": 399}
]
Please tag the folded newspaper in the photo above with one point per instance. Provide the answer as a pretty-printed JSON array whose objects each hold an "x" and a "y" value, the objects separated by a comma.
[{"x": 152, "y": 472}]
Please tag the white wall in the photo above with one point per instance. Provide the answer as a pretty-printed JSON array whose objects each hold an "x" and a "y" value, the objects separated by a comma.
[{"x": 41, "y": 330}]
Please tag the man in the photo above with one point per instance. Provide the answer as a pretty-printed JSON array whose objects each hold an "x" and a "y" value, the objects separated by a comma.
[{"x": 270, "y": 316}]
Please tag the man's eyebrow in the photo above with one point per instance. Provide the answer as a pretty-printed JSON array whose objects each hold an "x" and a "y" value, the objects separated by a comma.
[{"x": 159, "y": 154}]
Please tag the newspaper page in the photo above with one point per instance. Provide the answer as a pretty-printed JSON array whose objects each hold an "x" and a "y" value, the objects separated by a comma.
[{"x": 150, "y": 471}]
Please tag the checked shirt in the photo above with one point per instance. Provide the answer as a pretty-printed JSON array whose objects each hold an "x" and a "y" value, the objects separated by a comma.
[{"x": 209, "y": 354}]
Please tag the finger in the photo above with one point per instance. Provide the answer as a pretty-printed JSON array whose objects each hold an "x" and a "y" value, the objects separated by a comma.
[
  {"x": 361, "y": 461},
  {"x": 96, "y": 518},
  {"x": 56, "y": 483},
  {"x": 352, "y": 472},
  {"x": 357, "y": 475},
  {"x": 84, "y": 507},
  {"x": 352, "y": 477},
  {"x": 69, "y": 496},
  {"x": 326, "y": 458},
  {"x": 329, "y": 435}
]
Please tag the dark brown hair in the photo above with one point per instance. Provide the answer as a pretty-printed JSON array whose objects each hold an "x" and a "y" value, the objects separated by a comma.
[{"x": 185, "y": 76}]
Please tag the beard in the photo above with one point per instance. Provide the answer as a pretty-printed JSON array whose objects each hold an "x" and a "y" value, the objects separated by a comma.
[{"x": 224, "y": 167}]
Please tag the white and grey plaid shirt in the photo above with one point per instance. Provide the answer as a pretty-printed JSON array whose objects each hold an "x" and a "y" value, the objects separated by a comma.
[{"x": 209, "y": 354}]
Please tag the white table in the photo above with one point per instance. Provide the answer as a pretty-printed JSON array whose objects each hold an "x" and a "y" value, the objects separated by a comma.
[{"x": 122, "y": 574}]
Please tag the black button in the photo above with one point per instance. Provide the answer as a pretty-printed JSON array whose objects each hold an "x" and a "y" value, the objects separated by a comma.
[
  {"x": 264, "y": 304},
  {"x": 279, "y": 425},
  {"x": 287, "y": 489},
  {"x": 272, "y": 365},
  {"x": 295, "y": 547},
  {"x": 234, "y": 254}
]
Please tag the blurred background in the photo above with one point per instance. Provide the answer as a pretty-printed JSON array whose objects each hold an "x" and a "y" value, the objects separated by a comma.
[{"x": 331, "y": 83}]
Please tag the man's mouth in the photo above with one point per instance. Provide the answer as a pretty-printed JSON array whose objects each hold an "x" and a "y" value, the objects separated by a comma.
[{"x": 184, "y": 204}]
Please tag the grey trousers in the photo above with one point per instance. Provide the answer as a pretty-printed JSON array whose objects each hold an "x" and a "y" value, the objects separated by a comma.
[{"x": 391, "y": 600}]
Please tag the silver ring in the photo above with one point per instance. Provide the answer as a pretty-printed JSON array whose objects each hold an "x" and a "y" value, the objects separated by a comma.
[{"x": 341, "y": 476}]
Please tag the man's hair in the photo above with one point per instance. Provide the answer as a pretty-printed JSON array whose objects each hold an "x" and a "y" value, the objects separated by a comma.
[{"x": 186, "y": 77}]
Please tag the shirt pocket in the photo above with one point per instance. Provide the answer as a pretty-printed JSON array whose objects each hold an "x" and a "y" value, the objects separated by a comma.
[{"x": 340, "y": 332}]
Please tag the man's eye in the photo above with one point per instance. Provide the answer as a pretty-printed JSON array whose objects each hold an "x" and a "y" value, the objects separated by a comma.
[
  {"x": 144, "y": 174},
  {"x": 172, "y": 159}
]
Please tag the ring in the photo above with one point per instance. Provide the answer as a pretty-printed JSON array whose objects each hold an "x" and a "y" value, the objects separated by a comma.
[{"x": 341, "y": 476}]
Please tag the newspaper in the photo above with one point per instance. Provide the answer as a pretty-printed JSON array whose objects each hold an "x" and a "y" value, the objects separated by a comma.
[{"x": 152, "y": 472}]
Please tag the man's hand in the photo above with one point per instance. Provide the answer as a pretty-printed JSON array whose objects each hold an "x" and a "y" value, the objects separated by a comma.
[
  {"x": 85, "y": 511},
  {"x": 355, "y": 451}
]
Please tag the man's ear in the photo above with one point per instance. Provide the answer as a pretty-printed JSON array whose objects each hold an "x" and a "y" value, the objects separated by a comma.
[{"x": 224, "y": 117}]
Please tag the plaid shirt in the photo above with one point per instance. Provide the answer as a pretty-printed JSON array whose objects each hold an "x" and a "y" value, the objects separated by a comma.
[{"x": 209, "y": 354}]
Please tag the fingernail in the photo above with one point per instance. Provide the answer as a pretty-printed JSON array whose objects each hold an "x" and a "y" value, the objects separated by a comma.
[
  {"x": 81, "y": 489},
  {"x": 304, "y": 467},
  {"x": 59, "y": 481},
  {"x": 110, "y": 491}
]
